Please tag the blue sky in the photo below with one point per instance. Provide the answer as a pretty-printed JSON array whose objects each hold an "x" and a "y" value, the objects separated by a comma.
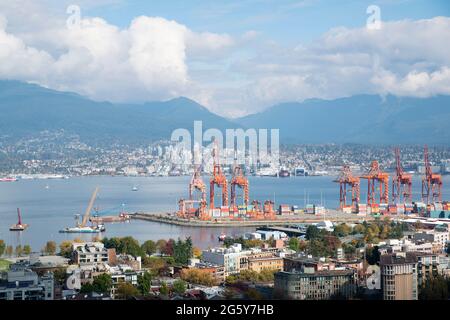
[
  {"x": 288, "y": 22},
  {"x": 234, "y": 57}
]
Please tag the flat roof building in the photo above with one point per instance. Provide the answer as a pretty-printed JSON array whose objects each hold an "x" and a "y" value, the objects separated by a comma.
[
  {"x": 399, "y": 276},
  {"x": 308, "y": 284}
]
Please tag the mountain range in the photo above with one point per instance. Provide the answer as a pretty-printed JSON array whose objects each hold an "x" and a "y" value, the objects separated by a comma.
[{"x": 27, "y": 109}]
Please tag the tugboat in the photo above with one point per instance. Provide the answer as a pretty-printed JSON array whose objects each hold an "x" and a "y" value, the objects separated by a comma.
[{"x": 19, "y": 226}]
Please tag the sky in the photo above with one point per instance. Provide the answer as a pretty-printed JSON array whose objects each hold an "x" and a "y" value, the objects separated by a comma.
[{"x": 234, "y": 57}]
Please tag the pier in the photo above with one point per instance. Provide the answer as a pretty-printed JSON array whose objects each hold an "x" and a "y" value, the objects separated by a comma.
[{"x": 170, "y": 218}]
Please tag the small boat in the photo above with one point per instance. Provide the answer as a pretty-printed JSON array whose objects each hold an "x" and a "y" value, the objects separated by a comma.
[
  {"x": 19, "y": 226},
  {"x": 284, "y": 173},
  {"x": 135, "y": 188},
  {"x": 222, "y": 237}
]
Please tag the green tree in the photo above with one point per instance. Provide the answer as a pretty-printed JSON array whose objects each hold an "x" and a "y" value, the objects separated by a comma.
[
  {"x": 50, "y": 248},
  {"x": 372, "y": 255},
  {"x": 65, "y": 249},
  {"x": 312, "y": 232},
  {"x": 129, "y": 245},
  {"x": 149, "y": 247},
  {"x": 87, "y": 288},
  {"x": 179, "y": 286},
  {"x": 27, "y": 249},
  {"x": 182, "y": 251},
  {"x": 293, "y": 243},
  {"x": 164, "y": 289},
  {"x": 144, "y": 283},
  {"x": 435, "y": 288},
  {"x": 2, "y": 247},
  {"x": 60, "y": 275},
  {"x": 126, "y": 290},
  {"x": 102, "y": 283}
]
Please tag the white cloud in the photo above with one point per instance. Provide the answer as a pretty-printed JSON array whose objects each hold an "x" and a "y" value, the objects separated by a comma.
[{"x": 155, "y": 58}]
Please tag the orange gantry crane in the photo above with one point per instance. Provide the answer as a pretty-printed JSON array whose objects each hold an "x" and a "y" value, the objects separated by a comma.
[
  {"x": 197, "y": 184},
  {"x": 345, "y": 179},
  {"x": 238, "y": 180},
  {"x": 431, "y": 182},
  {"x": 401, "y": 182},
  {"x": 269, "y": 212},
  {"x": 374, "y": 176},
  {"x": 217, "y": 179}
]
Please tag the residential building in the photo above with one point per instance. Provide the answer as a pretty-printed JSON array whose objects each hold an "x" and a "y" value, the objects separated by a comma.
[
  {"x": 120, "y": 274},
  {"x": 233, "y": 259},
  {"x": 21, "y": 283},
  {"x": 309, "y": 284},
  {"x": 296, "y": 263},
  {"x": 399, "y": 276},
  {"x": 259, "y": 263},
  {"x": 427, "y": 266},
  {"x": 92, "y": 253}
]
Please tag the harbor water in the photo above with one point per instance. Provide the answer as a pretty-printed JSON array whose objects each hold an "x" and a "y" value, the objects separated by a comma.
[{"x": 50, "y": 205}]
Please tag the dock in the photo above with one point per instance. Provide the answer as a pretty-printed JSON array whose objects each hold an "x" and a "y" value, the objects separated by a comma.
[{"x": 170, "y": 218}]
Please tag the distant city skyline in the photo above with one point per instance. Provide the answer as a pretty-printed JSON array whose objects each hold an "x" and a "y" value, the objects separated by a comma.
[{"x": 234, "y": 57}]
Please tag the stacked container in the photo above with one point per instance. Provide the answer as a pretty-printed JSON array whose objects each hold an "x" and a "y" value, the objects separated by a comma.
[
  {"x": 310, "y": 208},
  {"x": 285, "y": 210},
  {"x": 361, "y": 208},
  {"x": 319, "y": 210},
  {"x": 409, "y": 208}
]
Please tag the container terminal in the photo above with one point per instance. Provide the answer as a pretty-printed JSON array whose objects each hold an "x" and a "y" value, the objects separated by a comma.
[{"x": 196, "y": 210}]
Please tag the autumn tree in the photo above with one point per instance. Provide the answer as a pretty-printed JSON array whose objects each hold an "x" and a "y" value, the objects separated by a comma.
[
  {"x": 18, "y": 251},
  {"x": 9, "y": 250},
  {"x": 2, "y": 247},
  {"x": 65, "y": 249},
  {"x": 126, "y": 290},
  {"x": 50, "y": 248}
]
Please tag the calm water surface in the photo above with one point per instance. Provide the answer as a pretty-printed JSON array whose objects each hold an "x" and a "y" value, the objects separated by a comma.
[{"x": 50, "y": 205}]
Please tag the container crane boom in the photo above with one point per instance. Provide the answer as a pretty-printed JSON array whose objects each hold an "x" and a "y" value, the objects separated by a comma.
[{"x": 89, "y": 208}]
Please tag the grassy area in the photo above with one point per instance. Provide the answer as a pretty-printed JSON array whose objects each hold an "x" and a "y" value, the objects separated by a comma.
[{"x": 4, "y": 264}]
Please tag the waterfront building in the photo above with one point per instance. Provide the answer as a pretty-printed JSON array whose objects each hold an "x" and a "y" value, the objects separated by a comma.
[
  {"x": 399, "y": 276},
  {"x": 309, "y": 284},
  {"x": 21, "y": 283}
]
